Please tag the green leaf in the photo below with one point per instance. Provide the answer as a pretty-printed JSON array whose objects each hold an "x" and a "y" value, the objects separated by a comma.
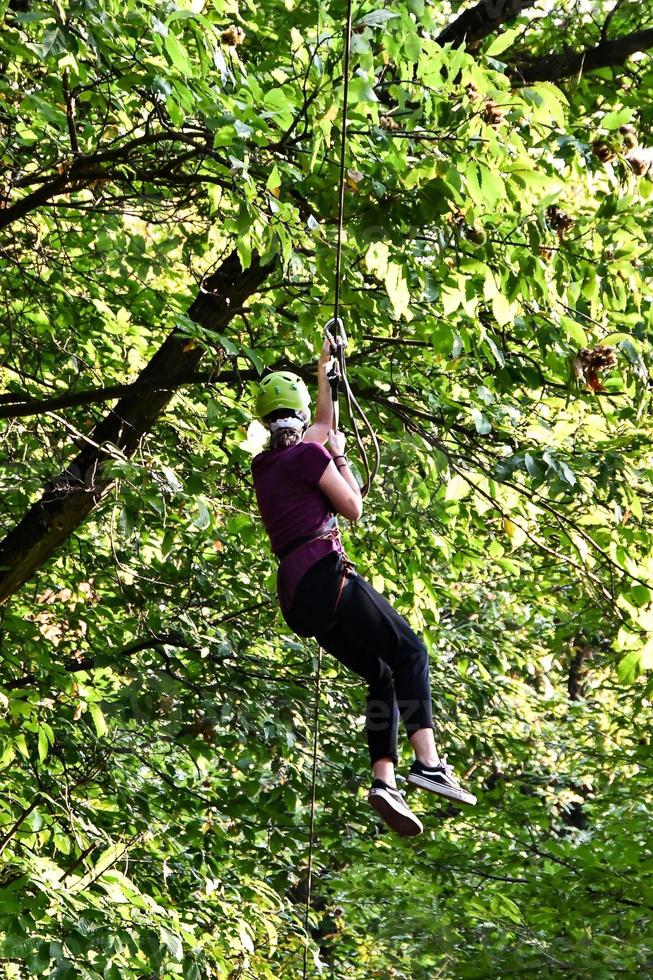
[
  {"x": 255, "y": 358},
  {"x": 99, "y": 720},
  {"x": 245, "y": 938},
  {"x": 203, "y": 519},
  {"x": 502, "y": 41},
  {"x": 54, "y": 43},
  {"x": 376, "y": 259},
  {"x": 574, "y": 331},
  {"x": 630, "y": 667},
  {"x": 361, "y": 90},
  {"x": 548, "y": 101},
  {"x": 172, "y": 479},
  {"x": 481, "y": 422},
  {"x": 617, "y": 118},
  {"x": 376, "y": 18},
  {"x": 62, "y": 842},
  {"x": 646, "y": 655},
  {"x": 43, "y": 745},
  {"x": 457, "y": 488},
  {"x": 502, "y": 309},
  {"x": 397, "y": 289},
  {"x": 178, "y": 54},
  {"x": 640, "y": 595},
  {"x": 492, "y": 184}
]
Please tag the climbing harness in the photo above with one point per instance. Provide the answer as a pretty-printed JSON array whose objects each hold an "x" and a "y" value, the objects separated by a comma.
[{"x": 328, "y": 530}]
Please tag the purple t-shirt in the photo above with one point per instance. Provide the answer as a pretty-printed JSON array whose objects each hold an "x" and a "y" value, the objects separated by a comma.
[{"x": 292, "y": 507}]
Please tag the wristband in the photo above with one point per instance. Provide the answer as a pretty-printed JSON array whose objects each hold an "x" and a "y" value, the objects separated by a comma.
[
  {"x": 343, "y": 466},
  {"x": 339, "y": 456}
]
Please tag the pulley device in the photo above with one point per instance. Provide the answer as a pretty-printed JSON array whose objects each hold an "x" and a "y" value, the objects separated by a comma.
[{"x": 334, "y": 332}]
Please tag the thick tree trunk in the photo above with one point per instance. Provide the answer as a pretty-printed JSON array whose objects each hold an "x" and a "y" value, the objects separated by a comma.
[{"x": 71, "y": 496}]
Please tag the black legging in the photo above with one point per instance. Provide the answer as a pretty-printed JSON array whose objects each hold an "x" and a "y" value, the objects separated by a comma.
[{"x": 370, "y": 638}]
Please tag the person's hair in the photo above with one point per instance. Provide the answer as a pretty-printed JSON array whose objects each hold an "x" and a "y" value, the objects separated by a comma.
[{"x": 283, "y": 438}]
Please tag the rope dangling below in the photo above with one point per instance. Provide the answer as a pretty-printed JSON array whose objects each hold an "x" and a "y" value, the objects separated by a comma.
[{"x": 316, "y": 734}]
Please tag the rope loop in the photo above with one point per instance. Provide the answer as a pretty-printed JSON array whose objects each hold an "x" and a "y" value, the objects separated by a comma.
[{"x": 334, "y": 331}]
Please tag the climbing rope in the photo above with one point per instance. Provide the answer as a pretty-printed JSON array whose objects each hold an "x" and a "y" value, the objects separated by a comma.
[
  {"x": 337, "y": 373},
  {"x": 316, "y": 733},
  {"x": 343, "y": 150},
  {"x": 335, "y": 333},
  {"x": 334, "y": 330}
]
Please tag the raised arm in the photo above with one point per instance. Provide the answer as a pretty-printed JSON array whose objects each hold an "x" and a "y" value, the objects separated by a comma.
[{"x": 319, "y": 430}]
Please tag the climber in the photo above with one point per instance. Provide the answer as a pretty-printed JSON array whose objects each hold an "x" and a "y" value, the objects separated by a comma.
[{"x": 300, "y": 488}]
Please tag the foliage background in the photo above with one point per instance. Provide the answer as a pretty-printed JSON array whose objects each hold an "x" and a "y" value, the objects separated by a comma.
[{"x": 169, "y": 178}]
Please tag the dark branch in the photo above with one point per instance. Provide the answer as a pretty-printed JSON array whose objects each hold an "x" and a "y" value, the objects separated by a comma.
[
  {"x": 88, "y": 663},
  {"x": 482, "y": 20},
  {"x": 149, "y": 643},
  {"x": 606, "y": 54},
  {"x": 72, "y": 495},
  {"x": 84, "y": 170},
  {"x": 21, "y": 407},
  {"x": 575, "y": 678}
]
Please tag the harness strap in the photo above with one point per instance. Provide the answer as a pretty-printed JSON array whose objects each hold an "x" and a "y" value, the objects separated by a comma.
[{"x": 328, "y": 530}]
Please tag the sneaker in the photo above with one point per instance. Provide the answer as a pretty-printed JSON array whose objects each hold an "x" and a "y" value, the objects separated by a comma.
[
  {"x": 440, "y": 779},
  {"x": 389, "y": 803}
]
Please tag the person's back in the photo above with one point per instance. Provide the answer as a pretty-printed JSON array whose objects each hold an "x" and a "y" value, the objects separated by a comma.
[
  {"x": 289, "y": 499},
  {"x": 294, "y": 510}
]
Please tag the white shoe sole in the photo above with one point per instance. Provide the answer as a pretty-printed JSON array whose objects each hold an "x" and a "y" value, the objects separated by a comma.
[
  {"x": 458, "y": 795},
  {"x": 405, "y": 824}
]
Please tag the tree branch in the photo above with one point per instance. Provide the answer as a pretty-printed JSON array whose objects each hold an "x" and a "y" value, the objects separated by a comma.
[
  {"x": 606, "y": 54},
  {"x": 149, "y": 643},
  {"x": 70, "y": 497},
  {"x": 88, "y": 663},
  {"x": 14, "y": 406},
  {"x": 24, "y": 814},
  {"x": 482, "y": 20},
  {"x": 82, "y": 170}
]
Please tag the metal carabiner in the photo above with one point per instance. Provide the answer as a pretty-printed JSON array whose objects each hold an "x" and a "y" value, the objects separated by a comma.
[{"x": 337, "y": 338}]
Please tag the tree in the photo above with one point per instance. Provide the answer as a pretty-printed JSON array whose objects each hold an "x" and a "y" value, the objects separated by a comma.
[{"x": 169, "y": 212}]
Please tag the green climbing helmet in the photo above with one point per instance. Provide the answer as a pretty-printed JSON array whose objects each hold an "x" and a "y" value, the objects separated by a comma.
[{"x": 282, "y": 390}]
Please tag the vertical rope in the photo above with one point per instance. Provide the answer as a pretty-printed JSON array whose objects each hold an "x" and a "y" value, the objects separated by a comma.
[
  {"x": 343, "y": 147},
  {"x": 351, "y": 401},
  {"x": 336, "y": 313},
  {"x": 316, "y": 732}
]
